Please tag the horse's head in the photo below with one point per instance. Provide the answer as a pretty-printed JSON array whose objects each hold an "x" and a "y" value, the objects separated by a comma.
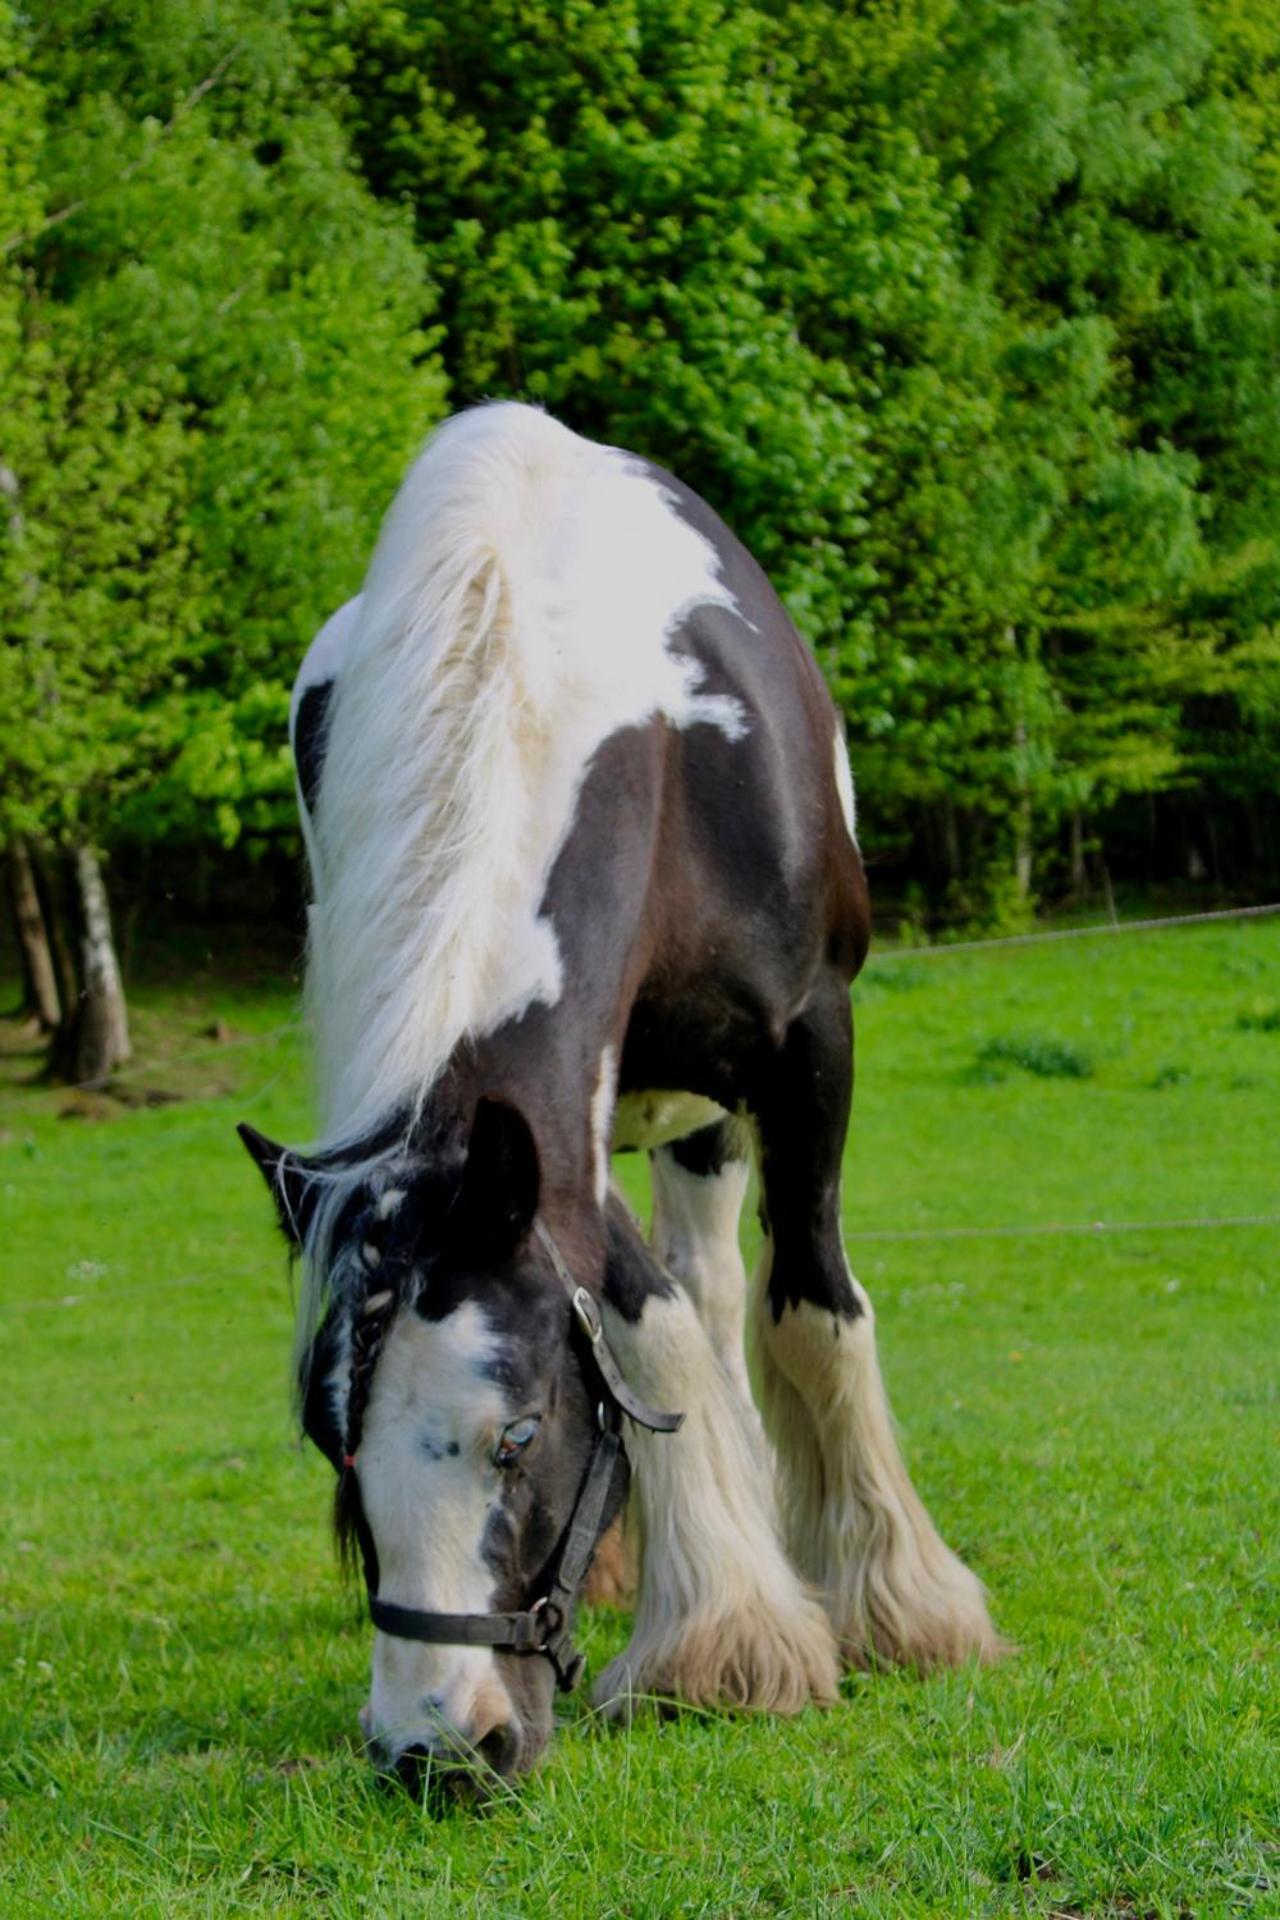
[{"x": 448, "y": 1379}]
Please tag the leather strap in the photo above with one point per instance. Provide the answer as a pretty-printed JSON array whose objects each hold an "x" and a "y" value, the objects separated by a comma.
[
  {"x": 587, "y": 1314},
  {"x": 547, "y": 1626},
  {"x": 516, "y": 1632}
]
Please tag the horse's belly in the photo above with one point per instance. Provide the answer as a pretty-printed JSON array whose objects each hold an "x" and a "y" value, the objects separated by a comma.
[{"x": 649, "y": 1119}]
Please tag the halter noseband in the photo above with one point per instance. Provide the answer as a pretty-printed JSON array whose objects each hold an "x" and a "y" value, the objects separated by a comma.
[{"x": 547, "y": 1626}]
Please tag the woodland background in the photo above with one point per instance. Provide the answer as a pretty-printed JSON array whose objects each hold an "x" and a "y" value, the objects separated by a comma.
[{"x": 961, "y": 311}]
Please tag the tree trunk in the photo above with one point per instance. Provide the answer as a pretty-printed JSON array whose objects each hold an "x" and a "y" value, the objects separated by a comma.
[
  {"x": 951, "y": 837},
  {"x": 1022, "y": 818},
  {"x": 58, "y": 918},
  {"x": 1079, "y": 878},
  {"x": 43, "y": 1001},
  {"x": 94, "y": 1037},
  {"x": 102, "y": 1028}
]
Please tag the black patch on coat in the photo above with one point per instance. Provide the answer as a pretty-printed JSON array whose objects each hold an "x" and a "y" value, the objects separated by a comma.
[
  {"x": 632, "y": 1276},
  {"x": 310, "y": 738},
  {"x": 707, "y": 1152}
]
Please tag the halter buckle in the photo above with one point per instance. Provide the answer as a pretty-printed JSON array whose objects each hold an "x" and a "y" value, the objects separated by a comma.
[{"x": 588, "y": 1315}]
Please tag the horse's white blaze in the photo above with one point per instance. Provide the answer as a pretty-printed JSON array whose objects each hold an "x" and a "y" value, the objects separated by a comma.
[
  {"x": 429, "y": 1487},
  {"x": 721, "y": 1616},
  {"x": 695, "y": 1235},
  {"x": 844, "y": 784},
  {"x": 517, "y": 613},
  {"x": 602, "y": 1104}
]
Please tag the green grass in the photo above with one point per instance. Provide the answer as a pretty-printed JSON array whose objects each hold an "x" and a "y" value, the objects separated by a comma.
[
  {"x": 1034, "y": 1053},
  {"x": 1092, "y": 1418}
]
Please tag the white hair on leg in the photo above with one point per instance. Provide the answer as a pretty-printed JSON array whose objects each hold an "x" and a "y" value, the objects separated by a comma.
[
  {"x": 856, "y": 1526},
  {"x": 695, "y": 1236},
  {"x": 722, "y": 1618}
]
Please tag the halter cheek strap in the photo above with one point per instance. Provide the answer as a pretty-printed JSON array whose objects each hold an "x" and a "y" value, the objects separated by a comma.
[{"x": 547, "y": 1626}]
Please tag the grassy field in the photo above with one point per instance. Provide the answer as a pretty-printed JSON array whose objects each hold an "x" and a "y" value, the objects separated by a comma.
[{"x": 1092, "y": 1418}]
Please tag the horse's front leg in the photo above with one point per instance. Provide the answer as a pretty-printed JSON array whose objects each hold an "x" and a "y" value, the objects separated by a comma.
[
  {"x": 721, "y": 1617},
  {"x": 855, "y": 1525}
]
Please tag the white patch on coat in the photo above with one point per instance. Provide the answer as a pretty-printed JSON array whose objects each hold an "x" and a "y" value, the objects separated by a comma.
[
  {"x": 844, "y": 785},
  {"x": 429, "y": 1486},
  {"x": 721, "y": 1617},
  {"x": 602, "y": 1104},
  {"x": 649, "y": 1119},
  {"x": 856, "y": 1527},
  {"x": 695, "y": 1236},
  {"x": 321, "y": 665},
  {"x": 517, "y": 613}
]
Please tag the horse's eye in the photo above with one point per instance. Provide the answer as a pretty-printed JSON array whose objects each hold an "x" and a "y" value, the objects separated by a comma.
[{"x": 515, "y": 1439}]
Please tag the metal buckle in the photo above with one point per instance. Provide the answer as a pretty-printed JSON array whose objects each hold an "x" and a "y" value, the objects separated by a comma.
[
  {"x": 570, "y": 1672},
  {"x": 588, "y": 1315}
]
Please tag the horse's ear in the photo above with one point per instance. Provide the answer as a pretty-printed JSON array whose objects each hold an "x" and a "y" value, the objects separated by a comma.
[
  {"x": 501, "y": 1179},
  {"x": 289, "y": 1178}
]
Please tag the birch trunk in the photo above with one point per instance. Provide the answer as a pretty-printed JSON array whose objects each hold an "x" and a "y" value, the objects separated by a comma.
[{"x": 102, "y": 1026}]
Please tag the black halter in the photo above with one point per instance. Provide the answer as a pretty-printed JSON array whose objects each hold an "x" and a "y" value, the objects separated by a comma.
[{"x": 547, "y": 1626}]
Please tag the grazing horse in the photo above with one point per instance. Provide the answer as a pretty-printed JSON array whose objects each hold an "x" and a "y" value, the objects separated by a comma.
[{"x": 581, "y": 830}]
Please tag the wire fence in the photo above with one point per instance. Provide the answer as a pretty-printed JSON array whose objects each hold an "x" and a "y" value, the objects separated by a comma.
[
  {"x": 944, "y": 948},
  {"x": 108, "y": 1296},
  {"x": 940, "y": 950},
  {"x": 865, "y": 1235},
  {"x": 1030, "y": 1232}
]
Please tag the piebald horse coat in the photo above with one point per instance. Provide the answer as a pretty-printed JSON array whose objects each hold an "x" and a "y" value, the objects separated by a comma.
[{"x": 581, "y": 830}]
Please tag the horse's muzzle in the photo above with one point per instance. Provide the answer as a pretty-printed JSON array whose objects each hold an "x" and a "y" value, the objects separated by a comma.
[{"x": 454, "y": 1773}]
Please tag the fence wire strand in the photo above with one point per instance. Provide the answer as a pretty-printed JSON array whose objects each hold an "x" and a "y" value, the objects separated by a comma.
[
  {"x": 945, "y": 947},
  {"x": 875, "y": 1235},
  {"x": 1065, "y": 1226},
  {"x": 865, "y": 1235}
]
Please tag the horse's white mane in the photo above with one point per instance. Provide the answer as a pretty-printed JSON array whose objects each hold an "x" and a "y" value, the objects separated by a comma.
[{"x": 514, "y": 616}]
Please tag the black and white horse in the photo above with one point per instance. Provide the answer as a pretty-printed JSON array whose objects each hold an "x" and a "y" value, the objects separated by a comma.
[{"x": 581, "y": 830}]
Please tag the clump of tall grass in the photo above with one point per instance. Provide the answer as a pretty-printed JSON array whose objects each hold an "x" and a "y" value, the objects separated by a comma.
[{"x": 1036, "y": 1053}]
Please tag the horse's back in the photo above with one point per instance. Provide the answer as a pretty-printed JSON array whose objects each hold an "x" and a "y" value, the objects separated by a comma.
[{"x": 541, "y": 614}]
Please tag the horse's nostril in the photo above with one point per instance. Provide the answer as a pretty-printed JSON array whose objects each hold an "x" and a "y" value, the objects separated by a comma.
[
  {"x": 411, "y": 1767},
  {"x": 500, "y": 1748}
]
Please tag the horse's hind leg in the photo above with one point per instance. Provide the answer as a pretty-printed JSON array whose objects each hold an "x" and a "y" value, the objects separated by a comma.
[
  {"x": 699, "y": 1184},
  {"x": 855, "y": 1525}
]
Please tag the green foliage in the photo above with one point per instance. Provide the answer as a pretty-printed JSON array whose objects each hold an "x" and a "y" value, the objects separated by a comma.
[
  {"x": 232, "y": 372},
  {"x": 963, "y": 312}
]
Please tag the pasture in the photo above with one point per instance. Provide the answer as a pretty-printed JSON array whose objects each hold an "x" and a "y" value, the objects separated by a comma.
[{"x": 1091, "y": 1417}]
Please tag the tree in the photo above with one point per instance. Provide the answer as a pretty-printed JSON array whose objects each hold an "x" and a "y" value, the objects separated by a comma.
[{"x": 222, "y": 369}]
